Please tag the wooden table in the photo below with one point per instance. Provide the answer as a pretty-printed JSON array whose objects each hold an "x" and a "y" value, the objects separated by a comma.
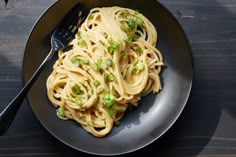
[{"x": 207, "y": 126}]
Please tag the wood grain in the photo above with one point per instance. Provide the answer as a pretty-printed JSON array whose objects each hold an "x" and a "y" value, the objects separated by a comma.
[{"x": 207, "y": 126}]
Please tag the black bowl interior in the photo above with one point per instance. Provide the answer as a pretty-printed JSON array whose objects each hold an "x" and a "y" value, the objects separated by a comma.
[{"x": 155, "y": 113}]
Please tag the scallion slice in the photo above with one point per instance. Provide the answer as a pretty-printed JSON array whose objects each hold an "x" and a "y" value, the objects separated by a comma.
[
  {"x": 105, "y": 77},
  {"x": 78, "y": 101},
  {"x": 110, "y": 50},
  {"x": 132, "y": 23},
  {"x": 61, "y": 112},
  {"x": 75, "y": 61},
  {"x": 108, "y": 77},
  {"x": 111, "y": 111},
  {"x": 135, "y": 36},
  {"x": 96, "y": 83},
  {"x": 124, "y": 27},
  {"x": 138, "y": 49},
  {"x": 122, "y": 53},
  {"x": 101, "y": 42},
  {"x": 124, "y": 13},
  {"x": 82, "y": 43},
  {"x": 139, "y": 21},
  {"x": 95, "y": 67},
  {"x": 99, "y": 65},
  {"x": 108, "y": 100},
  {"x": 111, "y": 77},
  {"x": 113, "y": 45},
  {"x": 76, "y": 89},
  {"x": 128, "y": 39},
  {"x": 110, "y": 62}
]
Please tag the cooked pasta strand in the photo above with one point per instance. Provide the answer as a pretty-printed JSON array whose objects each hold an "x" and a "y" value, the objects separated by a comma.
[{"x": 113, "y": 63}]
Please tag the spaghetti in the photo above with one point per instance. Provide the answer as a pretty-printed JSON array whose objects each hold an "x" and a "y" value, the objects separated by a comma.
[{"x": 112, "y": 64}]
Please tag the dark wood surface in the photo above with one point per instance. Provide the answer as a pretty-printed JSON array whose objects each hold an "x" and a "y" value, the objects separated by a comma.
[{"x": 207, "y": 126}]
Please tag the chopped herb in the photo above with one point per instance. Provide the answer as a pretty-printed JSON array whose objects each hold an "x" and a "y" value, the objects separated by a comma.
[
  {"x": 82, "y": 43},
  {"x": 108, "y": 77},
  {"x": 110, "y": 50},
  {"x": 75, "y": 61},
  {"x": 61, "y": 112},
  {"x": 110, "y": 40},
  {"x": 99, "y": 62},
  {"x": 78, "y": 101},
  {"x": 101, "y": 42},
  {"x": 124, "y": 27},
  {"x": 105, "y": 76},
  {"x": 108, "y": 100},
  {"x": 139, "y": 21},
  {"x": 99, "y": 65},
  {"x": 134, "y": 70},
  {"x": 95, "y": 67},
  {"x": 128, "y": 39},
  {"x": 105, "y": 35},
  {"x": 113, "y": 46},
  {"x": 111, "y": 111},
  {"x": 110, "y": 62},
  {"x": 103, "y": 65},
  {"x": 135, "y": 36},
  {"x": 124, "y": 13},
  {"x": 138, "y": 49},
  {"x": 122, "y": 53},
  {"x": 111, "y": 77},
  {"x": 76, "y": 89},
  {"x": 131, "y": 23},
  {"x": 96, "y": 83}
]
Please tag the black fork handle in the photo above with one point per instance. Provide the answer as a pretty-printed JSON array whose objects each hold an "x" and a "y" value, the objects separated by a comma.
[{"x": 8, "y": 114}]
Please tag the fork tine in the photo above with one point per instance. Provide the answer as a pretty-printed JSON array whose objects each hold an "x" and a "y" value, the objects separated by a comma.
[
  {"x": 68, "y": 26},
  {"x": 71, "y": 30},
  {"x": 70, "y": 19},
  {"x": 70, "y": 34}
]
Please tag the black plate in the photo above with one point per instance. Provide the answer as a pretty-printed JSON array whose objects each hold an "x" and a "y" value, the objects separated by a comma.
[{"x": 155, "y": 113}]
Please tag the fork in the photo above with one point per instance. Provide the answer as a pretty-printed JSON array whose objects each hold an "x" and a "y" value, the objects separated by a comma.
[{"x": 60, "y": 38}]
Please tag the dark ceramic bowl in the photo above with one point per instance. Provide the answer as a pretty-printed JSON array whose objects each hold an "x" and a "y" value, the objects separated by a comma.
[{"x": 155, "y": 113}]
